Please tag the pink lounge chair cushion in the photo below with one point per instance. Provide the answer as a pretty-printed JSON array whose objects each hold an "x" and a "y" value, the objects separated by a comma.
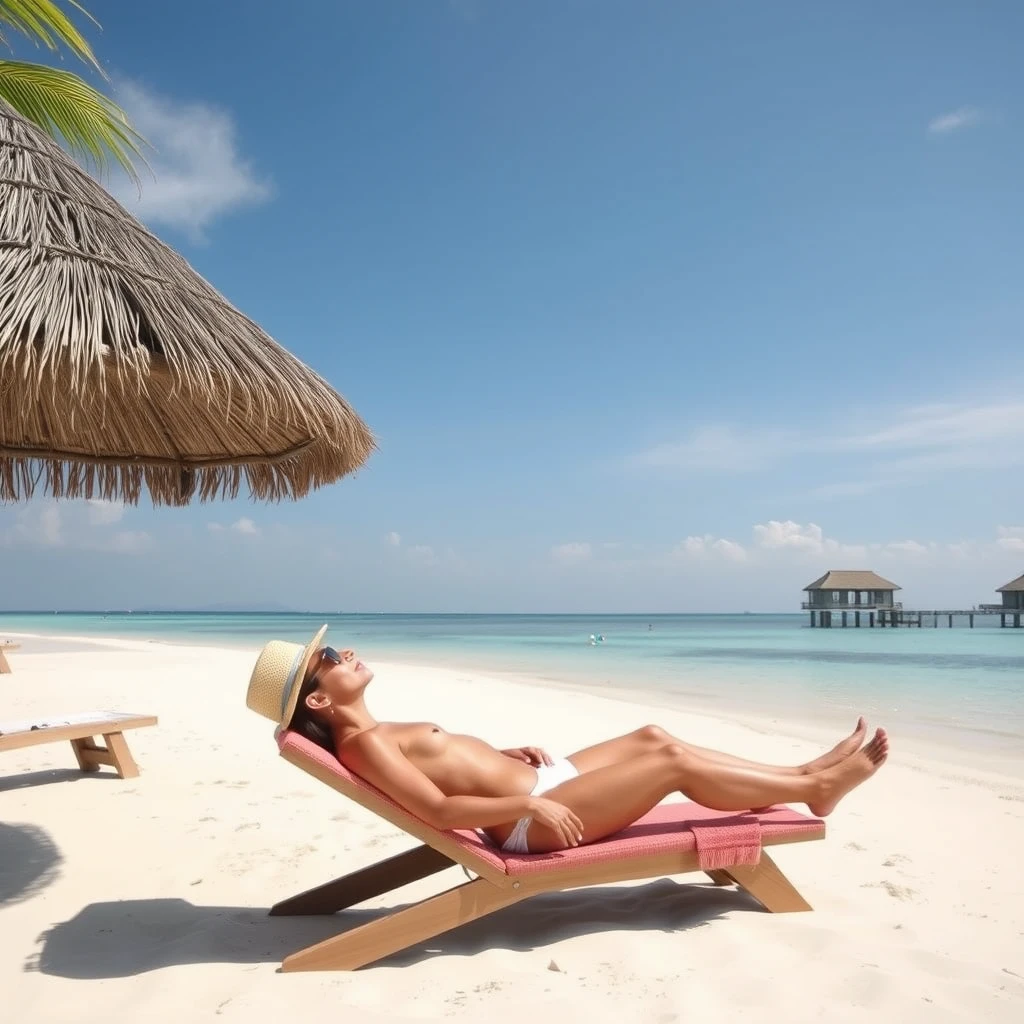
[{"x": 667, "y": 828}]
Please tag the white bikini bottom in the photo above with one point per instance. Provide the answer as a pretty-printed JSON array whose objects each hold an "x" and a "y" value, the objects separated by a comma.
[{"x": 548, "y": 777}]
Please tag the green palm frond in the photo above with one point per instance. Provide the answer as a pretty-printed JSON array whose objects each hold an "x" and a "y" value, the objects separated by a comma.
[
  {"x": 43, "y": 21},
  {"x": 92, "y": 125}
]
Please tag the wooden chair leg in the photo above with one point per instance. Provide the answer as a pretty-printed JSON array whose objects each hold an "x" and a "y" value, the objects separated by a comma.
[
  {"x": 91, "y": 755},
  {"x": 371, "y": 881},
  {"x": 381, "y": 938},
  {"x": 121, "y": 756},
  {"x": 5, "y": 668},
  {"x": 769, "y": 886},
  {"x": 720, "y": 877},
  {"x": 88, "y": 754}
]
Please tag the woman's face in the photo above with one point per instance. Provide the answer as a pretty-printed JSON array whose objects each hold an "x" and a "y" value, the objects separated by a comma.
[{"x": 339, "y": 681}]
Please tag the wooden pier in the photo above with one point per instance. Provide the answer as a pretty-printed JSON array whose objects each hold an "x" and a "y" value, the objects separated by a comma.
[{"x": 895, "y": 617}]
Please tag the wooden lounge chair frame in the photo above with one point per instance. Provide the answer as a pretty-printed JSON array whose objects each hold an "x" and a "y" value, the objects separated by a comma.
[
  {"x": 491, "y": 890},
  {"x": 88, "y": 752},
  {"x": 5, "y": 666}
]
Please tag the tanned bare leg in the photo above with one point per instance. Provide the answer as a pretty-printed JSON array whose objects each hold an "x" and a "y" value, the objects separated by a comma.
[
  {"x": 651, "y": 738},
  {"x": 610, "y": 798}
]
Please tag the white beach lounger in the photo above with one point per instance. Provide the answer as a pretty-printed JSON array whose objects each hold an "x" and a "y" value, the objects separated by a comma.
[{"x": 81, "y": 729}]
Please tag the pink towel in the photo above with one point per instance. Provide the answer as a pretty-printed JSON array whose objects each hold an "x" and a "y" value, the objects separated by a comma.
[{"x": 722, "y": 842}]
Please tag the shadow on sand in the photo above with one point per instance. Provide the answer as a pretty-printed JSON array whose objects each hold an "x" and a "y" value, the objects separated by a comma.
[
  {"x": 47, "y": 776},
  {"x": 29, "y": 862},
  {"x": 113, "y": 940}
]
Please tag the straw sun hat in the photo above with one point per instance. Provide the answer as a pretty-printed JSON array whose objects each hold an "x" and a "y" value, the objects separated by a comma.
[{"x": 277, "y": 678}]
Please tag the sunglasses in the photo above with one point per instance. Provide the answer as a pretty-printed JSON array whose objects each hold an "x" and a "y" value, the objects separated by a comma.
[{"x": 327, "y": 654}]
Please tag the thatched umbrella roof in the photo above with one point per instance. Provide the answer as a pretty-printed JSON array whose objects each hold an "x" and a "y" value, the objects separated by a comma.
[{"x": 121, "y": 367}]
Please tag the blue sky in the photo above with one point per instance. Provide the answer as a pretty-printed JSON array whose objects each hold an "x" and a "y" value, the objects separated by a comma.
[{"x": 653, "y": 306}]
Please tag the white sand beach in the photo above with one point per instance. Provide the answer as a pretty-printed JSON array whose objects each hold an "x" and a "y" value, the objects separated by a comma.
[{"x": 146, "y": 899}]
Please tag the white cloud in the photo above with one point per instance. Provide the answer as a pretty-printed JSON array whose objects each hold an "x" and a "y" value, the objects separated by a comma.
[
  {"x": 954, "y": 120},
  {"x": 571, "y": 553},
  {"x": 962, "y": 550},
  {"x": 781, "y": 536},
  {"x": 74, "y": 525},
  {"x": 730, "y": 549},
  {"x": 786, "y": 535},
  {"x": 908, "y": 547},
  {"x": 775, "y": 534},
  {"x": 917, "y": 442},
  {"x": 695, "y": 546},
  {"x": 198, "y": 174},
  {"x": 104, "y": 513},
  {"x": 719, "y": 449},
  {"x": 940, "y": 426},
  {"x": 128, "y": 542},
  {"x": 422, "y": 554},
  {"x": 244, "y": 526},
  {"x": 1010, "y": 538},
  {"x": 38, "y": 524}
]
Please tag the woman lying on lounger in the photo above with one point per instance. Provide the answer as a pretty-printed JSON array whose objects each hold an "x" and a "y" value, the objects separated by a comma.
[{"x": 525, "y": 799}]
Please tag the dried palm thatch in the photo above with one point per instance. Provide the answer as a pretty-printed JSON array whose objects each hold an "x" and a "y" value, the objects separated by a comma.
[{"x": 121, "y": 368}]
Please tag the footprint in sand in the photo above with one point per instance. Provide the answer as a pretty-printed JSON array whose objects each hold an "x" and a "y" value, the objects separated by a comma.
[
  {"x": 854, "y": 846},
  {"x": 488, "y": 986},
  {"x": 897, "y": 892},
  {"x": 894, "y": 860}
]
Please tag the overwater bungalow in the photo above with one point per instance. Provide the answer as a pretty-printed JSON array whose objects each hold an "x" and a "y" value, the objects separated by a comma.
[
  {"x": 1013, "y": 597},
  {"x": 850, "y": 590}
]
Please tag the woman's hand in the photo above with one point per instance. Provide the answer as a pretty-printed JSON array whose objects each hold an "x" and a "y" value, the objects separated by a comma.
[
  {"x": 557, "y": 817},
  {"x": 531, "y": 755}
]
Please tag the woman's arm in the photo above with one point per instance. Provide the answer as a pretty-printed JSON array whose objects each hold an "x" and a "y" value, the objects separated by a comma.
[{"x": 386, "y": 767}]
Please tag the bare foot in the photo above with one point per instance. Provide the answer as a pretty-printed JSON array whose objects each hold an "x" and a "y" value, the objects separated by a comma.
[
  {"x": 842, "y": 750},
  {"x": 838, "y": 780}
]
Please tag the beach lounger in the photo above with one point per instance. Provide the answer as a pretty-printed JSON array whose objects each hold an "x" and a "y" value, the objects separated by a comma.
[
  {"x": 81, "y": 730},
  {"x": 672, "y": 839},
  {"x": 6, "y": 645}
]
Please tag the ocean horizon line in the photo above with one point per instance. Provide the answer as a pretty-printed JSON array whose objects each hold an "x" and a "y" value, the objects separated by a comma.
[{"x": 450, "y": 614}]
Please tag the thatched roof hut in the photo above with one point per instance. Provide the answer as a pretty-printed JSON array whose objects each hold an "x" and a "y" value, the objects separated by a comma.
[
  {"x": 1013, "y": 594},
  {"x": 852, "y": 579},
  {"x": 120, "y": 367},
  {"x": 1013, "y": 587}
]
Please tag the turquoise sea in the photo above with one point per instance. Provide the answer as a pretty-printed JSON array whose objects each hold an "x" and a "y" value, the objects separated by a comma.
[{"x": 961, "y": 686}]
